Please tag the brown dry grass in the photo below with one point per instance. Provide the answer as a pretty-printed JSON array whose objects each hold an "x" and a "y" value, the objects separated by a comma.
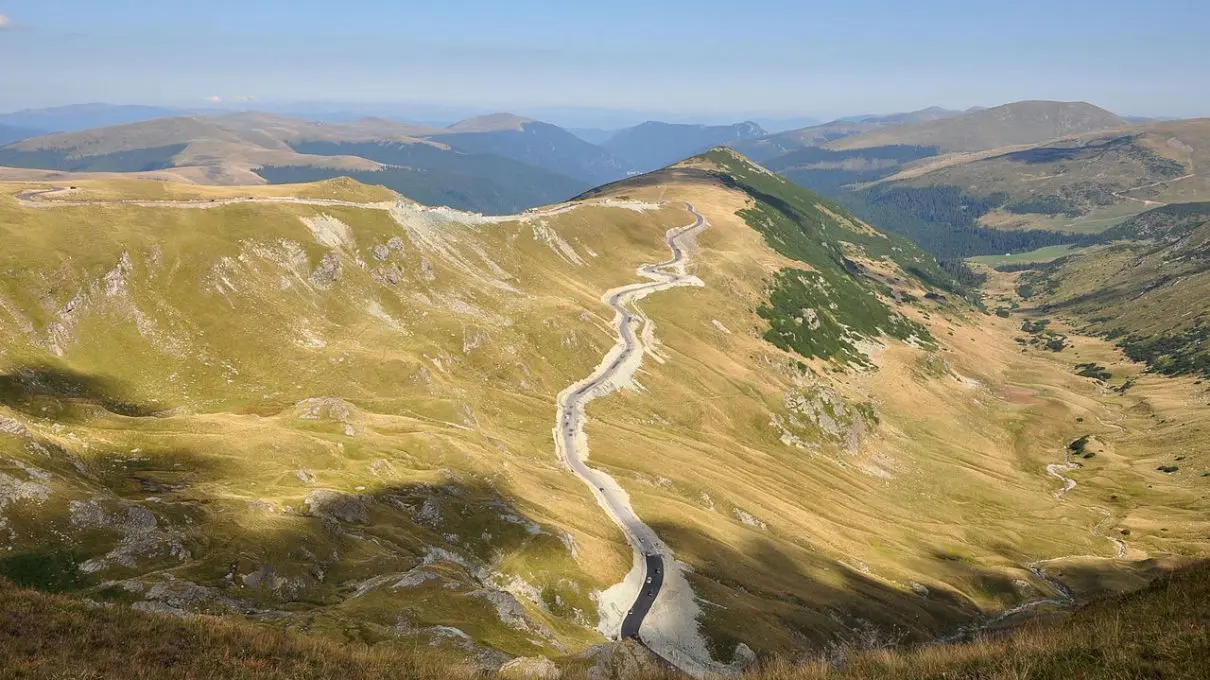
[
  {"x": 1160, "y": 632},
  {"x": 48, "y": 636}
]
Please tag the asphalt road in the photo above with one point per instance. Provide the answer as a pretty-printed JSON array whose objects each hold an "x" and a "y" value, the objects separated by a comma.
[
  {"x": 608, "y": 492},
  {"x": 642, "y": 604}
]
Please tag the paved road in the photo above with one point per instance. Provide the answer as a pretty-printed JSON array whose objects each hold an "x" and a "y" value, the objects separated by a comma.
[
  {"x": 620, "y": 364},
  {"x": 642, "y": 605}
]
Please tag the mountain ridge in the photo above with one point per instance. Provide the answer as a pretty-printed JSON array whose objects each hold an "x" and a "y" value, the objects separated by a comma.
[
  {"x": 655, "y": 144},
  {"x": 1024, "y": 122}
]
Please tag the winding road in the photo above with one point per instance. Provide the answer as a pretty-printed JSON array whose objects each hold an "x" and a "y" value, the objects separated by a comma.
[{"x": 613, "y": 373}]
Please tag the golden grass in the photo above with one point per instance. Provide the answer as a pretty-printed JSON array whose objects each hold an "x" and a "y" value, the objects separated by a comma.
[
  {"x": 455, "y": 387},
  {"x": 49, "y": 636},
  {"x": 1162, "y": 631}
]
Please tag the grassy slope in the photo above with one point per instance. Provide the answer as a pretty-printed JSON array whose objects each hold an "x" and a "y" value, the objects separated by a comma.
[
  {"x": 1027, "y": 122},
  {"x": 1161, "y": 631},
  {"x": 451, "y": 382},
  {"x": 218, "y": 353},
  {"x": 1045, "y": 254},
  {"x": 843, "y": 527},
  {"x": 1149, "y": 297},
  {"x": 46, "y": 636},
  {"x": 814, "y": 231}
]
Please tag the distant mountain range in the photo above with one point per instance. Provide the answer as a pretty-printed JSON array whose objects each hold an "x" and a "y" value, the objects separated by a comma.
[
  {"x": 77, "y": 117},
  {"x": 927, "y": 174},
  {"x": 653, "y": 144},
  {"x": 497, "y": 163},
  {"x": 13, "y": 133},
  {"x": 1010, "y": 178},
  {"x": 1026, "y": 122}
]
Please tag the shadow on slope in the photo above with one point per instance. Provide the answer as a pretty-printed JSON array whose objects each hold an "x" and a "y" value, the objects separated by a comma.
[
  {"x": 795, "y": 605},
  {"x": 48, "y": 391}
]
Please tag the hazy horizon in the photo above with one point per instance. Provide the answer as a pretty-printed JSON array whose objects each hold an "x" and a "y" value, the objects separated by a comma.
[{"x": 674, "y": 60}]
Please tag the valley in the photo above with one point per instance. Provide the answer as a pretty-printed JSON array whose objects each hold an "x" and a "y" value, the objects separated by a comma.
[
  {"x": 326, "y": 408},
  {"x": 639, "y": 341},
  {"x": 299, "y": 376}
]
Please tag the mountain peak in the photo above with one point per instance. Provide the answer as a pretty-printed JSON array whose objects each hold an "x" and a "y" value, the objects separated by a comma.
[{"x": 492, "y": 122}]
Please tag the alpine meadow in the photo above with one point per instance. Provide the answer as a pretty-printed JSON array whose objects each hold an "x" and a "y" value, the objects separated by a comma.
[{"x": 563, "y": 349}]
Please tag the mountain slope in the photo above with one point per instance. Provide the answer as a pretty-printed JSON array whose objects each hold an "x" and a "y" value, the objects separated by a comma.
[
  {"x": 764, "y": 149},
  {"x": 1080, "y": 184},
  {"x": 1157, "y": 632},
  {"x": 1027, "y": 122},
  {"x": 1020, "y": 199},
  {"x": 326, "y": 408},
  {"x": 1149, "y": 297},
  {"x": 12, "y": 133},
  {"x": 538, "y": 144},
  {"x": 1008, "y": 199},
  {"x": 654, "y": 144}
]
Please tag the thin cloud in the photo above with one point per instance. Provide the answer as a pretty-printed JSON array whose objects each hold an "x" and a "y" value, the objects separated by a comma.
[
  {"x": 6, "y": 23},
  {"x": 215, "y": 99}
]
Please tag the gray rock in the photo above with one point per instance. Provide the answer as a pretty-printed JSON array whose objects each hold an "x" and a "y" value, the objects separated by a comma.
[
  {"x": 13, "y": 427},
  {"x": 621, "y": 661},
  {"x": 328, "y": 272},
  {"x": 530, "y": 668},
  {"x": 339, "y": 506}
]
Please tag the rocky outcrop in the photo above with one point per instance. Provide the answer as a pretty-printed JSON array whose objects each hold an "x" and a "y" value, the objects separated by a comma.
[
  {"x": 621, "y": 661},
  {"x": 327, "y": 273},
  {"x": 338, "y": 506},
  {"x": 530, "y": 668},
  {"x": 142, "y": 535},
  {"x": 821, "y": 412}
]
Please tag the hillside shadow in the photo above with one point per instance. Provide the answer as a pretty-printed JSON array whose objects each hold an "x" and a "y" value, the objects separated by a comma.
[
  {"x": 311, "y": 552},
  {"x": 825, "y": 601},
  {"x": 47, "y": 391}
]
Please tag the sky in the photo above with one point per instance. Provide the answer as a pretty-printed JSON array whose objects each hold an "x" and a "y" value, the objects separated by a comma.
[{"x": 709, "y": 58}]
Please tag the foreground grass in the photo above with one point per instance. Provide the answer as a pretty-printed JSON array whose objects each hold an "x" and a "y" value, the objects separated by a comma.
[
  {"x": 50, "y": 636},
  {"x": 1162, "y": 631}
]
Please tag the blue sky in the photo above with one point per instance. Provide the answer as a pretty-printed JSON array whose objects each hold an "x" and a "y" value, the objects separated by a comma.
[{"x": 715, "y": 57}]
